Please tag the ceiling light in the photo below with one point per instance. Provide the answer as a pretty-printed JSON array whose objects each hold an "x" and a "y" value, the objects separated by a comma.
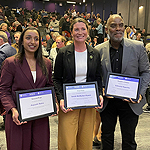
[
  {"x": 71, "y": 2},
  {"x": 140, "y": 7}
]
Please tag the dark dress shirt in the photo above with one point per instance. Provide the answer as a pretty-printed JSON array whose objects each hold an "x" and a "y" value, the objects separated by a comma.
[{"x": 116, "y": 58}]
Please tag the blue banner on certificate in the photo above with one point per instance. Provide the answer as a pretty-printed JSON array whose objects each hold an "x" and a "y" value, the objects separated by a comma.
[
  {"x": 123, "y": 86},
  {"x": 81, "y": 95},
  {"x": 35, "y": 103}
]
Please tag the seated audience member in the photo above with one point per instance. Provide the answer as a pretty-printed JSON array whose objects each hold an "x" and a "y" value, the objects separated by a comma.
[
  {"x": 50, "y": 42},
  {"x": 55, "y": 34},
  {"x": 24, "y": 25},
  {"x": 54, "y": 24},
  {"x": 61, "y": 21},
  {"x": 105, "y": 39},
  {"x": 46, "y": 29},
  {"x": 99, "y": 31},
  {"x": 44, "y": 47},
  {"x": 128, "y": 33},
  {"x": 93, "y": 32},
  {"x": 18, "y": 26},
  {"x": 47, "y": 37},
  {"x": 30, "y": 21},
  {"x": 39, "y": 24},
  {"x": 138, "y": 37},
  {"x": 1, "y": 20},
  {"x": 134, "y": 32},
  {"x": 17, "y": 37},
  {"x": 60, "y": 42},
  {"x": 66, "y": 27},
  {"x": 88, "y": 40},
  {"x": 44, "y": 17},
  {"x": 34, "y": 24},
  {"x": 30, "y": 24},
  {"x": 3, "y": 27},
  {"x": 143, "y": 33},
  {"x": 147, "y": 48},
  {"x": 94, "y": 42}
]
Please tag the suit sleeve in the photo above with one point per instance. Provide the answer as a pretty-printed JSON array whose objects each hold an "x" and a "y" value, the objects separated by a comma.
[
  {"x": 49, "y": 68},
  {"x": 58, "y": 76},
  {"x": 6, "y": 82},
  {"x": 2, "y": 57},
  {"x": 144, "y": 70}
]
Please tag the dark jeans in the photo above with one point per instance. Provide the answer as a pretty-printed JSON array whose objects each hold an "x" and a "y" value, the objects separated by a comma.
[{"x": 128, "y": 122}]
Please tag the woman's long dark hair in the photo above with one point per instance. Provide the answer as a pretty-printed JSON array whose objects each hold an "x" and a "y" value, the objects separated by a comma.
[{"x": 38, "y": 53}]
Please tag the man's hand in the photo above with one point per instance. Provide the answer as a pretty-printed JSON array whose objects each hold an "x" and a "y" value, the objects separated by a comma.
[
  {"x": 106, "y": 96},
  {"x": 134, "y": 102}
]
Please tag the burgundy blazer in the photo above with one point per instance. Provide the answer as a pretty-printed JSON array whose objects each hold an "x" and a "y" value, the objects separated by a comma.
[{"x": 16, "y": 76}]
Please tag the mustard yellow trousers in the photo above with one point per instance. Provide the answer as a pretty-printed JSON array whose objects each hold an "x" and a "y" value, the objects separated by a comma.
[{"x": 75, "y": 129}]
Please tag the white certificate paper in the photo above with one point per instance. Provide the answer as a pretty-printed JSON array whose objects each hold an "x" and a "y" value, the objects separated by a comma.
[
  {"x": 81, "y": 95},
  {"x": 122, "y": 86},
  {"x": 34, "y": 104}
]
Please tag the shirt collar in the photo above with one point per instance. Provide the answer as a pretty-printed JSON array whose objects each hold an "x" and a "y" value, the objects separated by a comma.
[{"x": 122, "y": 43}]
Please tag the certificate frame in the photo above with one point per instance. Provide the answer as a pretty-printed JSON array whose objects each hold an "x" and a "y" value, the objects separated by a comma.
[
  {"x": 84, "y": 84},
  {"x": 123, "y": 77},
  {"x": 34, "y": 93}
]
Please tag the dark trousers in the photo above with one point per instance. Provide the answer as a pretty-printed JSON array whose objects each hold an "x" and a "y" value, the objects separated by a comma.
[
  {"x": 148, "y": 96},
  {"x": 100, "y": 39},
  {"x": 128, "y": 122}
]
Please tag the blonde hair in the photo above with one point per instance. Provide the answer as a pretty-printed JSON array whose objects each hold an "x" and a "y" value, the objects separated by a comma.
[
  {"x": 3, "y": 25},
  {"x": 99, "y": 20},
  {"x": 3, "y": 36},
  {"x": 63, "y": 39}
]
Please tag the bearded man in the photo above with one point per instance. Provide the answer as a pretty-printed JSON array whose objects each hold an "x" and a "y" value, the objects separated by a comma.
[{"x": 127, "y": 57}]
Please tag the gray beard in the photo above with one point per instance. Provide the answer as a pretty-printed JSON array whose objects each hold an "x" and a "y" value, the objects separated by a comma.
[{"x": 114, "y": 38}]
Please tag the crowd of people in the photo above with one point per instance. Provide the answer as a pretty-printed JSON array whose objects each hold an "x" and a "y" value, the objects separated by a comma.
[{"x": 73, "y": 48}]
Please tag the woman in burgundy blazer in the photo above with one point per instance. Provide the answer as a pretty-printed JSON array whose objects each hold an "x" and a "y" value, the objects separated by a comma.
[{"x": 17, "y": 75}]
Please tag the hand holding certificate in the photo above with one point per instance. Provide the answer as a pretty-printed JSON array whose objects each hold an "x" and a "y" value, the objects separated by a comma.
[
  {"x": 123, "y": 87},
  {"x": 36, "y": 103},
  {"x": 81, "y": 95}
]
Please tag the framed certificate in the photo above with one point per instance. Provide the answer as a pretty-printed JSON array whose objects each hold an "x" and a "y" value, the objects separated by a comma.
[
  {"x": 123, "y": 86},
  {"x": 81, "y": 95},
  {"x": 36, "y": 103}
]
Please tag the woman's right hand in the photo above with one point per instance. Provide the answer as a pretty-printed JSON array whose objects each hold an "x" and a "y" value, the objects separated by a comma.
[
  {"x": 15, "y": 116},
  {"x": 63, "y": 108}
]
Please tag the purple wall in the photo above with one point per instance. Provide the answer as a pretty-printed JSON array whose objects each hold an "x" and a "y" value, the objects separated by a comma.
[
  {"x": 29, "y": 5},
  {"x": 50, "y": 7}
]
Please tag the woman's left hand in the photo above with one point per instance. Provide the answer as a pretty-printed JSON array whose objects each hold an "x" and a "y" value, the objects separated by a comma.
[
  {"x": 57, "y": 107},
  {"x": 101, "y": 102}
]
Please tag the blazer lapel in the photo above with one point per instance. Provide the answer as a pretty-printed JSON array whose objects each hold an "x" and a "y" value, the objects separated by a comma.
[
  {"x": 27, "y": 72},
  {"x": 126, "y": 55},
  {"x": 106, "y": 56},
  {"x": 90, "y": 59},
  {"x": 71, "y": 59},
  {"x": 39, "y": 75}
]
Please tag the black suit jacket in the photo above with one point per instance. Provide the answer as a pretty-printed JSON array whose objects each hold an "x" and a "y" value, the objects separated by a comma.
[{"x": 64, "y": 70}]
